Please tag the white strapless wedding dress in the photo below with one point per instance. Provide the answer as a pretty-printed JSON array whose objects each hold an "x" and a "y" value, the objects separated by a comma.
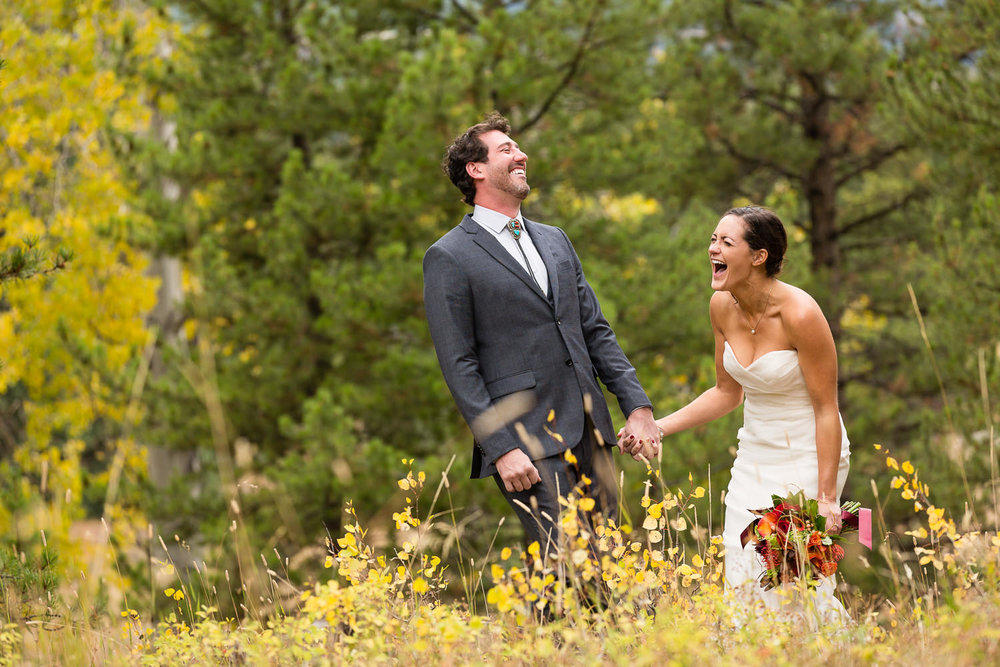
[{"x": 776, "y": 455}]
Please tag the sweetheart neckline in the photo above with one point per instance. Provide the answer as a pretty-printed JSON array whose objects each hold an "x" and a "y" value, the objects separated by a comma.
[{"x": 725, "y": 343}]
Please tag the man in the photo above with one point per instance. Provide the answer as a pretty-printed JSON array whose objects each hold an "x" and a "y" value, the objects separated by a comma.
[{"x": 521, "y": 342}]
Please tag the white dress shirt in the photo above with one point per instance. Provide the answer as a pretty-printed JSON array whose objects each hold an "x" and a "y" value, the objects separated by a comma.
[{"x": 496, "y": 223}]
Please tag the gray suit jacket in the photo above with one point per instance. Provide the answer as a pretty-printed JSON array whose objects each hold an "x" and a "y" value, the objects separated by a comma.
[{"x": 496, "y": 333}]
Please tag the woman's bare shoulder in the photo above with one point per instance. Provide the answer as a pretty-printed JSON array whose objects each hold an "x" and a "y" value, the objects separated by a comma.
[
  {"x": 800, "y": 312},
  {"x": 719, "y": 299}
]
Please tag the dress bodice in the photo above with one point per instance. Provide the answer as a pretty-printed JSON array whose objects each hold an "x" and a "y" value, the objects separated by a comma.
[
  {"x": 777, "y": 410},
  {"x": 774, "y": 377}
]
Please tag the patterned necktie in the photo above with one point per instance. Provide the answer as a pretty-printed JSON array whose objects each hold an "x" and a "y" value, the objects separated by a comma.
[{"x": 516, "y": 228}]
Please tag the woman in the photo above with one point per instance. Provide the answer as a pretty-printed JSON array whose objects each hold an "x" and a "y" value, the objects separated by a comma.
[{"x": 772, "y": 345}]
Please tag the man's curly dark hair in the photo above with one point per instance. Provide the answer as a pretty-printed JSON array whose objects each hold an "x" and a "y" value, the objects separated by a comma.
[{"x": 468, "y": 147}]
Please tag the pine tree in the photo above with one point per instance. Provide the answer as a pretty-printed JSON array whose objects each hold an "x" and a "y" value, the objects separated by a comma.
[
  {"x": 308, "y": 141},
  {"x": 785, "y": 97}
]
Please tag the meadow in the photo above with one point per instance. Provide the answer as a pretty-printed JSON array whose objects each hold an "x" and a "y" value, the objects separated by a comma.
[{"x": 647, "y": 591}]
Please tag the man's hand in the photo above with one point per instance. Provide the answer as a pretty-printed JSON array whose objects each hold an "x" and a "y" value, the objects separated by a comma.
[
  {"x": 641, "y": 436},
  {"x": 517, "y": 471}
]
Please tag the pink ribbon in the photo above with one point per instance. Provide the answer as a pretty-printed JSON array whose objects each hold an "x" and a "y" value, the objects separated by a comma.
[{"x": 865, "y": 526}]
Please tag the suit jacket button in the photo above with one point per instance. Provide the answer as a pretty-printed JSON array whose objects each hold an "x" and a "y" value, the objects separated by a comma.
[
  {"x": 569, "y": 362},
  {"x": 558, "y": 323}
]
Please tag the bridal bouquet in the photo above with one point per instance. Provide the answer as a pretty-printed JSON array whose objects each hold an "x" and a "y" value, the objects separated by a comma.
[{"x": 792, "y": 542}]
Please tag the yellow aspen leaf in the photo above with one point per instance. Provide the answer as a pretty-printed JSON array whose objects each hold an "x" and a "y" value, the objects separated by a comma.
[
  {"x": 587, "y": 504},
  {"x": 908, "y": 467}
]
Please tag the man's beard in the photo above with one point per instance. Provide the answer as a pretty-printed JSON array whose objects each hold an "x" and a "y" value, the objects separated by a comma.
[{"x": 519, "y": 189}]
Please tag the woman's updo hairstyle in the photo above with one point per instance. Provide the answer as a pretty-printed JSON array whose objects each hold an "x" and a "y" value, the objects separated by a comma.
[{"x": 764, "y": 231}]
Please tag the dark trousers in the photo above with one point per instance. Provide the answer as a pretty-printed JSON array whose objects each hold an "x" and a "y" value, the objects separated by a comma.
[{"x": 538, "y": 508}]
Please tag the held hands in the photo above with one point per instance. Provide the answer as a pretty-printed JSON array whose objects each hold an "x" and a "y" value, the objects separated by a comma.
[
  {"x": 517, "y": 471},
  {"x": 640, "y": 437}
]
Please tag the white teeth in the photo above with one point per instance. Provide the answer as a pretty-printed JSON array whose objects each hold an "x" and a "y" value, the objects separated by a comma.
[{"x": 519, "y": 172}]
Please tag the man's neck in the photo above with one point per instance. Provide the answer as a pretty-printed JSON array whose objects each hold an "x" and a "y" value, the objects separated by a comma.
[{"x": 506, "y": 205}]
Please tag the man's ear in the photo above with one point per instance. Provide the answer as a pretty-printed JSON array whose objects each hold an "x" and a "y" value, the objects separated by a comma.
[{"x": 475, "y": 170}]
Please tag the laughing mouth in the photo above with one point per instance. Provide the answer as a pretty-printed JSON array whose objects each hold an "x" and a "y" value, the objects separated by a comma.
[
  {"x": 718, "y": 268},
  {"x": 519, "y": 171}
]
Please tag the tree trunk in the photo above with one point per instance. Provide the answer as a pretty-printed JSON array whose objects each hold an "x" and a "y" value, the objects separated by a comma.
[{"x": 820, "y": 187}]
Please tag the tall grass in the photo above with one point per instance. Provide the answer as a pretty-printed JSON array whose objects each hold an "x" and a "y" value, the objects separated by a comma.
[{"x": 638, "y": 594}]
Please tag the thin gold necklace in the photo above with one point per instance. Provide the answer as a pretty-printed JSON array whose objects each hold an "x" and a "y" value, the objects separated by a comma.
[{"x": 767, "y": 302}]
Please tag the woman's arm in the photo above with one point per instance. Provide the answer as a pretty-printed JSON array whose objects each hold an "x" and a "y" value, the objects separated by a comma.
[{"x": 809, "y": 332}]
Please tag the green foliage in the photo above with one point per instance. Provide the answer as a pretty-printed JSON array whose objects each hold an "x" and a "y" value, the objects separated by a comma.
[
  {"x": 945, "y": 90},
  {"x": 29, "y": 578},
  {"x": 27, "y": 583}
]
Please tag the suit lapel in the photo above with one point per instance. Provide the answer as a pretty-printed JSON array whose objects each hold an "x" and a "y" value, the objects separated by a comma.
[{"x": 487, "y": 242}]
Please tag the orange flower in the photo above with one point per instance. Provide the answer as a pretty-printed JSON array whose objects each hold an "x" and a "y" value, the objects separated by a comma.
[
  {"x": 828, "y": 568},
  {"x": 767, "y": 523}
]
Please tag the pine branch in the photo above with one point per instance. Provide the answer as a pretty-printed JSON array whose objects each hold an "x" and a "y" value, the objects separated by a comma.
[
  {"x": 756, "y": 161},
  {"x": 872, "y": 161},
  {"x": 573, "y": 67},
  {"x": 24, "y": 261},
  {"x": 881, "y": 212}
]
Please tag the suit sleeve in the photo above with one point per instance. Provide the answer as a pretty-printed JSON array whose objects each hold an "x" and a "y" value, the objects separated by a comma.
[
  {"x": 448, "y": 302},
  {"x": 612, "y": 366}
]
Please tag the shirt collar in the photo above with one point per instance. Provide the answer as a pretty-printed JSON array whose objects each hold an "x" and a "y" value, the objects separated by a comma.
[{"x": 492, "y": 220}]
